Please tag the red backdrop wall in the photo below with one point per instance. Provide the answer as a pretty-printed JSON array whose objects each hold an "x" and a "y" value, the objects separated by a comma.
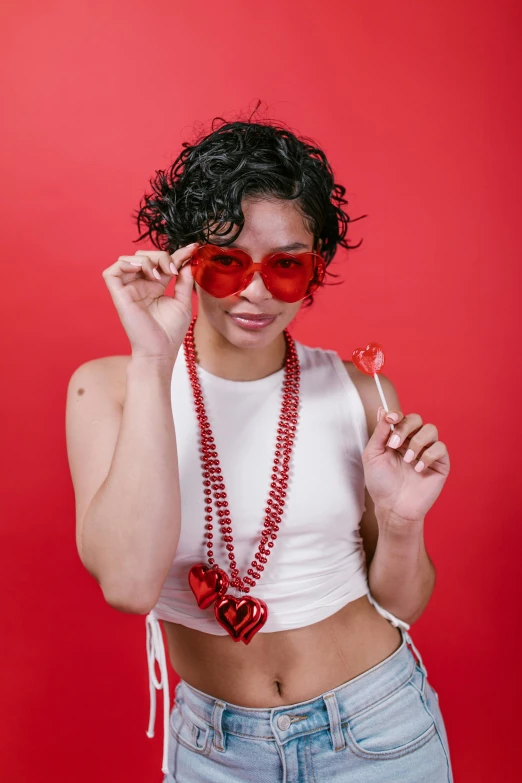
[{"x": 418, "y": 108}]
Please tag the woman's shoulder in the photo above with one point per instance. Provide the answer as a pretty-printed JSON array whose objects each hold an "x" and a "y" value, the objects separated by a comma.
[
  {"x": 111, "y": 372},
  {"x": 363, "y": 384},
  {"x": 317, "y": 354},
  {"x": 369, "y": 394}
]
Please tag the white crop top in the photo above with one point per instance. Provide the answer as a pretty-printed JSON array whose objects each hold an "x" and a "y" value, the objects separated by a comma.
[{"x": 317, "y": 564}]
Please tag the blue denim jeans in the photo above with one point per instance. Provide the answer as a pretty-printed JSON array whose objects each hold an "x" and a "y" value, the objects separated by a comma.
[{"x": 380, "y": 727}]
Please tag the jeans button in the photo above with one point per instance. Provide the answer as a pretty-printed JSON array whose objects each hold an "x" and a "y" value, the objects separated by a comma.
[{"x": 283, "y": 722}]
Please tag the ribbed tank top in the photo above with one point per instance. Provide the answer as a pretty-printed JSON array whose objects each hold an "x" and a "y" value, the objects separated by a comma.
[{"x": 318, "y": 562}]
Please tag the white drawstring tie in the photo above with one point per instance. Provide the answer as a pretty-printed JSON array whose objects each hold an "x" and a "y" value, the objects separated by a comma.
[
  {"x": 398, "y": 624},
  {"x": 388, "y": 615},
  {"x": 156, "y": 652}
]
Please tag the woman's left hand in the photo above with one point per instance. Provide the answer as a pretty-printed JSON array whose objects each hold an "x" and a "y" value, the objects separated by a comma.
[{"x": 398, "y": 488}]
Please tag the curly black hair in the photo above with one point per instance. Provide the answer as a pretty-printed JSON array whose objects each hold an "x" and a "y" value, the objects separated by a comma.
[{"x": 208, "y": 180}]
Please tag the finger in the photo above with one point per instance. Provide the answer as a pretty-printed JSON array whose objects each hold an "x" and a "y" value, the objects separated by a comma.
[
  {"x": 392, "y": 417},
  {"x": 183, "y": 289},
  {"x": 435, "y": 456},
  {"x": 160, "y": 260},
  {"x": 124, "y": 270},
  {"x": 166, "y": 263},
  {"x": 141, "y": 261},
  {"x": 427, "y": 435},
  {"x": 144, "y": 261},
  {"x": 183, "y": 254},
  {"x": 131, "y": 260},
  {"x": 184, "y": 263},
  {"x": 181, "y": 250},
  {"x": 377, "y": 443},
  {"x": 408, "y": 425}
]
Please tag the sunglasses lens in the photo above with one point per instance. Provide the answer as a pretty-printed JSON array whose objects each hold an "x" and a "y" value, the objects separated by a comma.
[
  {"x": 288, "y": 277},
  {"x": 219, "y": 271}
]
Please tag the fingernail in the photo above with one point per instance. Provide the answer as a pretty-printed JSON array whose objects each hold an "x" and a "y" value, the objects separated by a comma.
[
  {"x": 136, "y": 263},
  {"x": 156, "y": 274},
  {"x": 409, "y": 455},
  {"x": 394, "y": 441},
  {"x": 419, "y": 466},
  {"x": 379, "y": 413},
  {"x": 173, "y": 268},
  {"x": 392, "y": 417}
]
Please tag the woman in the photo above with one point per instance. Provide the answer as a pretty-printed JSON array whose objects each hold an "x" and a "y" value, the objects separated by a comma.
[{"x": 285, "y": 572}]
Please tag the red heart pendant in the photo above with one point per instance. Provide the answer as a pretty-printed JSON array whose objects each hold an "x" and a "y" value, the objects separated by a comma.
[
  {"x": 370, "y": 359},
  {"x": 248, "y": 635},
  {"x": 241, "y": 617},
  {"x": 207, "y": 583}
]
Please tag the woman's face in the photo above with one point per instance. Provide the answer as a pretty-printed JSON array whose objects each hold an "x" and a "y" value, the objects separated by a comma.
[{"x": 270, "y": 226}]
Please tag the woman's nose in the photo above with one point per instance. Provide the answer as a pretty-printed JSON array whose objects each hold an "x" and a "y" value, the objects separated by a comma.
[{"x": 256, "y": 289}]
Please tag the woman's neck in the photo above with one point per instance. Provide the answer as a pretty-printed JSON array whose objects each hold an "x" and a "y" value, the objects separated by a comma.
[{"x": 219, "y": 357}]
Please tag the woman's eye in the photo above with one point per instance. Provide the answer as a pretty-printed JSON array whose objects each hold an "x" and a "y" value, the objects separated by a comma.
[
  {"x": 225, "y": 260},
  {"x": 288, "y": 263}
]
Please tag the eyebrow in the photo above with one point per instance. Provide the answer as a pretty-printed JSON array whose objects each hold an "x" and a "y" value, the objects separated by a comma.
[{"x": 282, "y": 249}]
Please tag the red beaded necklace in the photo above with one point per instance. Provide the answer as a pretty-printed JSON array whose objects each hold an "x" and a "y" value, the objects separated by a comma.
[{"x": 241, "y": 617}]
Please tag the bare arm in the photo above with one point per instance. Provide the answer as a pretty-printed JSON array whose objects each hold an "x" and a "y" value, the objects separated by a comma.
[
  {"x": 401, "y": 575},
  {"x": 127, "y": 530}
]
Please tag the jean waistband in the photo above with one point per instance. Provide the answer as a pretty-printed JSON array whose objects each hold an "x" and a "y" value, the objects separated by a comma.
[{"x": 329, "y": 709}]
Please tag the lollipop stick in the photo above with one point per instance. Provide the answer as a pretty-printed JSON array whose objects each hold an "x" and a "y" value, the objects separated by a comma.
[{"x": 379, "y": 387}]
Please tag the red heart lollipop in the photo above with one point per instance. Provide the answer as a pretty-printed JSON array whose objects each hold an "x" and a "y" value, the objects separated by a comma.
[{"x": 370, "y": 359}]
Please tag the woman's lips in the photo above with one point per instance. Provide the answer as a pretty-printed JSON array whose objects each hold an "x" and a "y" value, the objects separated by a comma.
[{"x": 252, "y": 322}]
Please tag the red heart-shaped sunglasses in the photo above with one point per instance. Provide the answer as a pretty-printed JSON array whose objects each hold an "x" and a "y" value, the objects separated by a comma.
[{"x": 224, "y": 271}]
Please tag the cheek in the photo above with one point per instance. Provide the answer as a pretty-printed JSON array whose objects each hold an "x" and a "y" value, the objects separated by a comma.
[
  {"x": 292, "y": 308},
  {"x": 288, "y": 311},
  {"x": 215, "y": 309},
  {"x": 209, "y": 303}
]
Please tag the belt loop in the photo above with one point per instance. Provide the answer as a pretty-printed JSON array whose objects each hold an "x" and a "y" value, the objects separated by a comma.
[
  {"x": 217, "y": 712},
  {"x": 338, "y": 740},
  {"x": 423, "y": 669}
]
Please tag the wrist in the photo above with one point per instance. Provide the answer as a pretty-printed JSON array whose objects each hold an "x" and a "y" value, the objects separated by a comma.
[
  {"x": 158, "y": 365},
  {"x": 390, "y": 522}
]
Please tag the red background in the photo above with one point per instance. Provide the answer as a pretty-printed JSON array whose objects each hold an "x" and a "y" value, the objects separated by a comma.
[{"x": 417, "y": 105}]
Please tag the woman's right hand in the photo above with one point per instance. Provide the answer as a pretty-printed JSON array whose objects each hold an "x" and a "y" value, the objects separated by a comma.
[{"x": 155, "y": 324}]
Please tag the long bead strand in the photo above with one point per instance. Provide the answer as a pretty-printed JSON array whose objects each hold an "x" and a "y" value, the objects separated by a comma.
[{"x": 213, "y": 483}]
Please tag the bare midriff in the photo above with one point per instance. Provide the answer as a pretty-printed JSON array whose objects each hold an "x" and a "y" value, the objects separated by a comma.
[{"x": 283, "y": 667}]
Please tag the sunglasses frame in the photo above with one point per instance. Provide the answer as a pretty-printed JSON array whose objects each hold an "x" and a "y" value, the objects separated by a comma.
[{"x": 319, "y": 267}]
